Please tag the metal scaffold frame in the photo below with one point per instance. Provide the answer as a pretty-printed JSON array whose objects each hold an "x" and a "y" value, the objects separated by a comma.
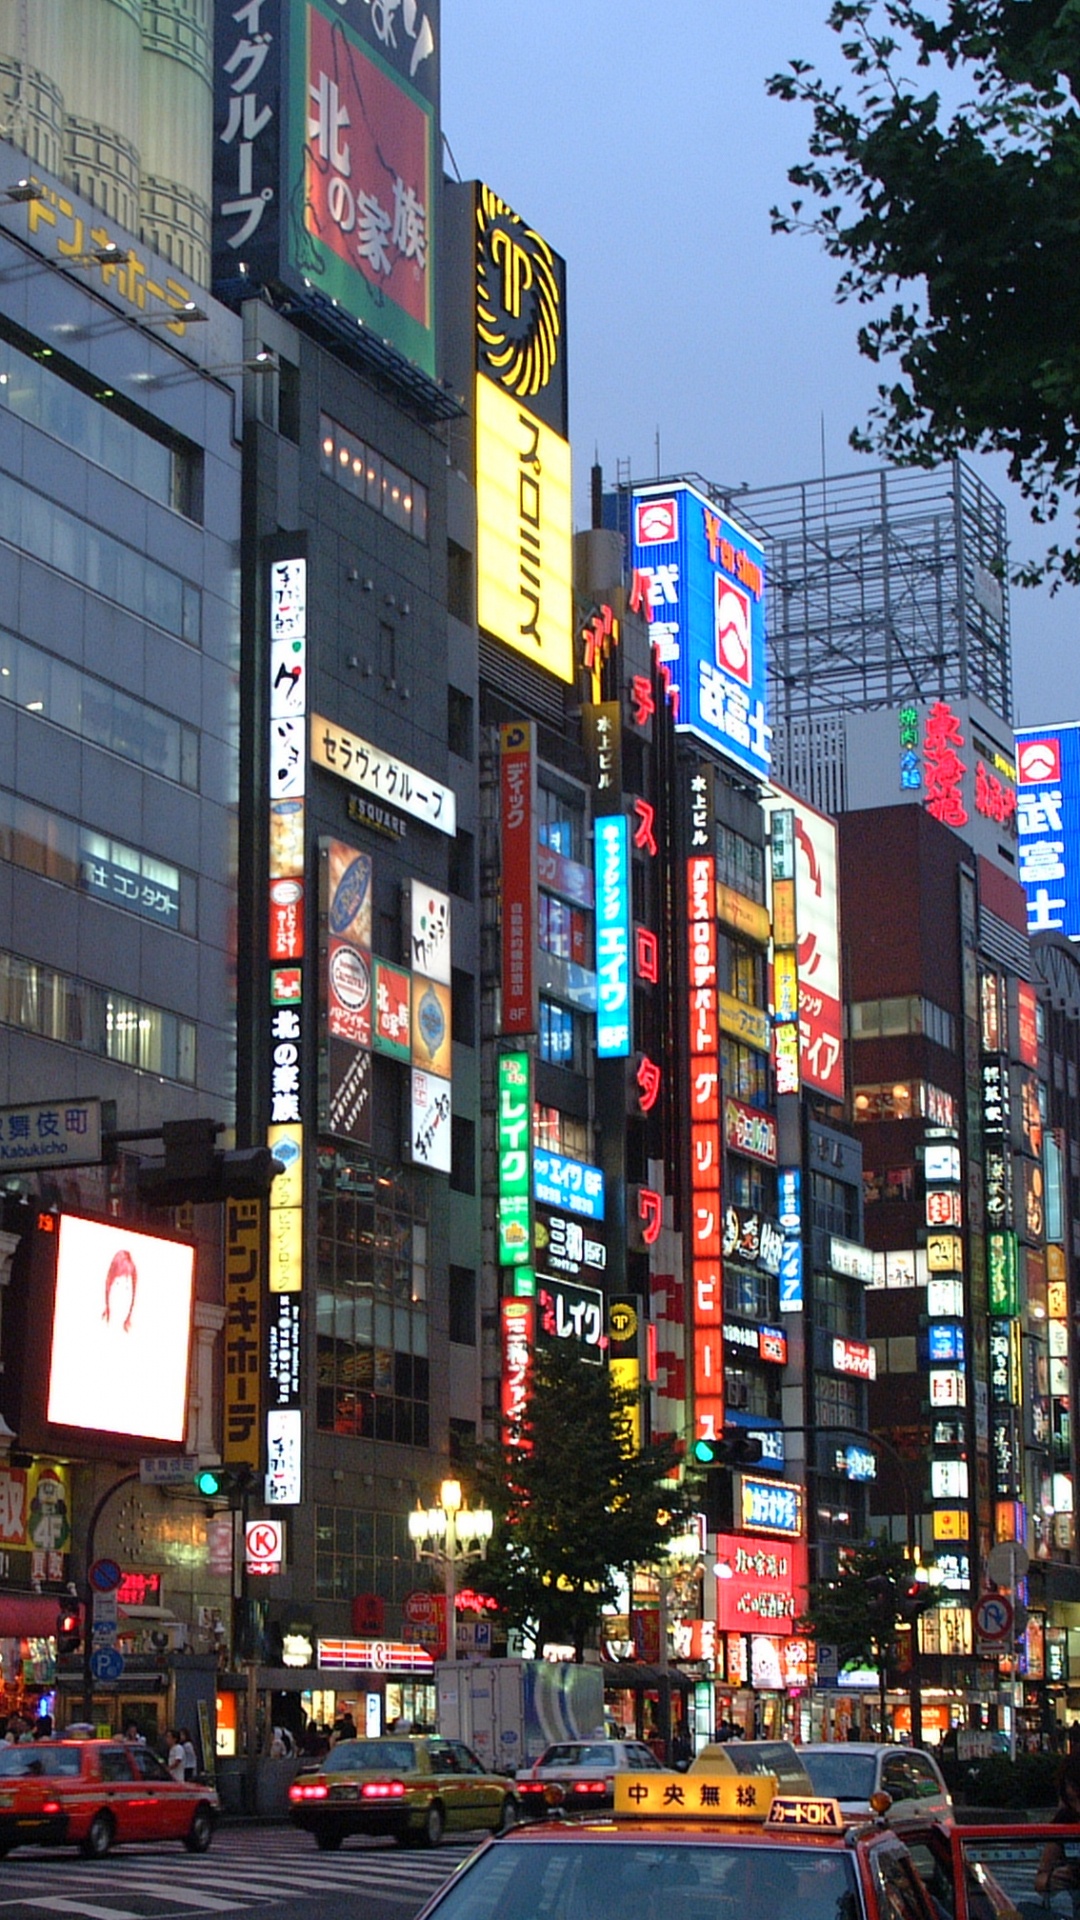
[{"x": 885, "y": 586}]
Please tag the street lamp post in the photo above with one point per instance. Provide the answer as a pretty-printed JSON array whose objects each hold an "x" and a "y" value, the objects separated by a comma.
[{"x": 448, "y": 1535}]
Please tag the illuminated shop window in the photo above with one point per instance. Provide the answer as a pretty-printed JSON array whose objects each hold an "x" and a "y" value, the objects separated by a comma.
[
  {"x": 559, "y": 1132},
  {"x": 745, "y": 1072},
  {"x": 751, "y": 1292},
  {"x": 370, "y": 477},
  {"x": 560, "y": 822},
  {"x": 96, "y": 711},
  {"x": 906, "y": 1100},
  {"x": 372, "y": 1288},
  {"x": 57, "y": 1006},
  {"x": 561, "y": 1040}
]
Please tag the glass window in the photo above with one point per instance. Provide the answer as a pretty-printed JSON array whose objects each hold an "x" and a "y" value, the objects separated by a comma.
[
  {"x": 96, "y": 711},
  {"x": 61, "y": 1007},
  {"x": 47, "y": 532},
  {"x": 369, "y": 477},
  {"x": 561, "y": 823}
]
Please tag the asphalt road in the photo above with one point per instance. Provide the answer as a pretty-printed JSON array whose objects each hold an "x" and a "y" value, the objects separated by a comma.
[{"x": 276, "y": 1870}]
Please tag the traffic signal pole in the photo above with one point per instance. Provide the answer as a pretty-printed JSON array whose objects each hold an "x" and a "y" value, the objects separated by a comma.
[{"x": 125, "y": 1480}]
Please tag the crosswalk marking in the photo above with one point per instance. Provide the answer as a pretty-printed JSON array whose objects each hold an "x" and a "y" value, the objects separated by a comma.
[
  {"x": 57, "y": 1904},
  {"x": 182, "y": 1896}
]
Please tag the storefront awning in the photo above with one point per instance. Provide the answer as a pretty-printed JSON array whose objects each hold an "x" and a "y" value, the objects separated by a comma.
[
  {"x": 632, "y": 1674},
  {"x": 30, "y": 1615}
]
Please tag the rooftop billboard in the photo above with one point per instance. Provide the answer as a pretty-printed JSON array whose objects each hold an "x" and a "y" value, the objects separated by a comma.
[
  {"x": 1048, "y": 817},
  {"x": 705, "y": 582}
]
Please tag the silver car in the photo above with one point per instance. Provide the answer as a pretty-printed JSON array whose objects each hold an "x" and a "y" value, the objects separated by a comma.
[
  {"x": 851, "y": 1770},
  {"x": 584, "y": 1770}
]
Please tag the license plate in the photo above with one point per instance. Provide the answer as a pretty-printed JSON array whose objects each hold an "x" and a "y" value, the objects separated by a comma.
[{"x": 7, "y": 1799}]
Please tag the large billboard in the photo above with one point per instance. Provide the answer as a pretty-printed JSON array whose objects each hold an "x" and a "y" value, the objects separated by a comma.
[
  {"x": 705, "y": 579},
  {"x": 817, "y": 917},
  {"x": 101, "y": 1337},
  {"x": 1048, "y": 816},
  {"x": 326, "y": 158},
  {"x": 524, "y": 531},
  {"x": 520, "y": 310}
]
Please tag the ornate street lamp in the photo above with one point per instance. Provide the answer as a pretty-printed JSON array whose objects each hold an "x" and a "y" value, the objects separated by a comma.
[{"x": 450, "y": 1535}]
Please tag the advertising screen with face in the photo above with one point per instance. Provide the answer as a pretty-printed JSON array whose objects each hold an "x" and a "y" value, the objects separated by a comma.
[{"x": 118, "y": 1360}]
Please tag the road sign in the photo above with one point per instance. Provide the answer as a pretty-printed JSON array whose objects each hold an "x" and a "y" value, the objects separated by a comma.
[
  {"x": 1007, "y": 1562},
  {"x": 264, "y": 1545},
  {"x": 994, "y": 1618},
  {"x": 828, "y": 1663},
  {"x": 105, "y": 1576},
  {"x": 169, "y": 1470},
  {"x": 107, "y": 1663},
  {"x": 105, "y": 1620}
]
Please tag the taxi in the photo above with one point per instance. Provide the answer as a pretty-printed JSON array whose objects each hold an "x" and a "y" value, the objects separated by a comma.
[
  {"x": 94, "y": 1793},
  {"x": 706, "y": 1846},
  {"x": 414, "y": 1787}
]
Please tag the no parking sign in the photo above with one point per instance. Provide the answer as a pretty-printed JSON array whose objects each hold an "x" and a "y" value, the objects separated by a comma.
[{"x": 264, "y": 1545}]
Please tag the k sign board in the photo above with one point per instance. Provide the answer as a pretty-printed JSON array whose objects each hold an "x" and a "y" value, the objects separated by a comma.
[
  {"x": 1048, "y": 813},
  {"x": 706, "y": 590}
]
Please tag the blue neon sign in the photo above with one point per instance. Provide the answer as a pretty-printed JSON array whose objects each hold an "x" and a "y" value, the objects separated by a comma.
[
  {"x": 571, "y": 1185},
  {"x": 1048, "y": 821},
  {"x": 612, "y": 869},
  {"x": 705, "y": 579}
]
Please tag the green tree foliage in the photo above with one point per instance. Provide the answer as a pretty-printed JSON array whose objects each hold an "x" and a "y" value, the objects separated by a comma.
[
  {"x": 838, "y": 1611},
  {"x": 573, "y": 1503},
  {"x": 947, "y": 168}
]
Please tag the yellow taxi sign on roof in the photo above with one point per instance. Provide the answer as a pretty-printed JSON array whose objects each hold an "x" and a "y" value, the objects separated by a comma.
[
  {"x": 799, "y": 1810},
  {"x": 696, "y": 1796}
]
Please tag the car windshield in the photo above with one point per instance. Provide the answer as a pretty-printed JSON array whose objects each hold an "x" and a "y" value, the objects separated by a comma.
[
  {"x": 840, "y": 1775},
  {"x": 361, "y": 1756},
  {"x": 570, "y": 1754},
  {"x": 30, "y": 1761},
  {"x": 603, "y": 1880}
]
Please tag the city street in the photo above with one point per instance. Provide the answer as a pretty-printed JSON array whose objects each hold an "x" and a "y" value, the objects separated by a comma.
[{"x": 246, "y": 1869}]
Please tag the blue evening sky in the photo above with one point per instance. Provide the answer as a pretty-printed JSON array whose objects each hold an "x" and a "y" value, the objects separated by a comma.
[{"x": 636, "y": 135}]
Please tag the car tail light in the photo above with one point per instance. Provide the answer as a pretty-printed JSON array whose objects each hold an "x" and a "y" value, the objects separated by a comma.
[
  {"x": 300, "y": 1791},
  {"x": 589, "y": 1786},
  {"x": 532, "y": 1786},
  {"x": 383, "y": 1790},
  {"x": 50, "y": 1806}
]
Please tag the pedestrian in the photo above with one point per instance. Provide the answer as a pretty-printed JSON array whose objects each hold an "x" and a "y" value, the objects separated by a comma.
[
  {"x": 174, "y": 1758},
  {"x": 131, "y": 1732},
  {"x": 1057, "y": 1871},
  {"x": 191, "y": 1758}
]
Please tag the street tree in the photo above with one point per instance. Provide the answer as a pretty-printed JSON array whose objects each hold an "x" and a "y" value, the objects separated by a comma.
[
  {"x": 950, "y": 200},
  {"x": 575, "y": 1503},
  {"x": 858, "y": 1611}
]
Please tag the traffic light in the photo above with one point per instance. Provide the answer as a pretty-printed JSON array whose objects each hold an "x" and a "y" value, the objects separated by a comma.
[
  {"x": 68, "y": 1634},
  {"x": 913, "y": 1599},
  {"x": 734, "y": 1449},
  {"x": 219, "y": 1483},
  {"x": 197, "y": 1173},
  {"x": 881, "y": 1603}
]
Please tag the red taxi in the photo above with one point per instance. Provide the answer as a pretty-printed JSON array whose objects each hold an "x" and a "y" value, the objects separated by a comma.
[
  {"x": 698, "y": 1847},
  {"x": 93, "y": 1793}
]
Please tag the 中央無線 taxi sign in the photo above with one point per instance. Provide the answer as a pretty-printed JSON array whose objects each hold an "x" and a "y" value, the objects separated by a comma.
[{"x": 698, "y": 1796}]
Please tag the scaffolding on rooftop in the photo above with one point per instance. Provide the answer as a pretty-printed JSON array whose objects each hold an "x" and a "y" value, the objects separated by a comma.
[{"x": 884, "y": 586}]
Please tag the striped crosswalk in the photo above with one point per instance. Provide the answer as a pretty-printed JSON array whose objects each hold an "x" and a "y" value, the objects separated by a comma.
[{"x": 245, "y": 1868}]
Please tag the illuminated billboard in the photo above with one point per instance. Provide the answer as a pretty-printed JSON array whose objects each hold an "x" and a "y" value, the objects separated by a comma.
[
  {"x": 524, "y": 532},
  {"x": 1048, "y": 814},
  {"x": 817, "y": 916},
  {"x": 107, "y": 1336},
  {"x": 520, "y": 310},
  {"x": 705, "y": 580},
  {"x": 326, "y": 160}
]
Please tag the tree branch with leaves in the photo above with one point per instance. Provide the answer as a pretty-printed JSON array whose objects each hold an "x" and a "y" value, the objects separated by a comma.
[
  {"x": 951, "y": 201},
  {"x": 575, "y": 1503}
]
